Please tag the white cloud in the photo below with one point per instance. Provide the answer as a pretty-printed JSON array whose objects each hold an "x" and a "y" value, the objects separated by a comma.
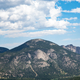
[
  {"x": 77, "y": 10},
  {"x": 4, "y": 15},
  {"x": 26, "y": 17},
  {"x": 74, "y": 24},
  {"x": 78, "y": 0},
  {"x": 13, "y": 0},
  {"x": 7, "y": 32},
  {"x": 54, "y": 13},
  {"x": 29, "y": 28},
  {"x": 9, "y": 25},
  {"x": 14, "y": 17},
  {"x": 71, "y": 0},
  {"x": 1, "y": 0},
  {"x": 71, "y": 18},
  {"x": 57, "y": 24},
  {"x": 28, "y": 1},
  {"x": 37, "y": 33},
  {"x": 32, "y": 15},
  {"x": 5, "y": 4}
]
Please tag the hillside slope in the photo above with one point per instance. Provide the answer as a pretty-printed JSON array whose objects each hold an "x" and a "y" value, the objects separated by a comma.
[
  {"x": 2, "y": 49},
  {"x": 39, "y": 59}
]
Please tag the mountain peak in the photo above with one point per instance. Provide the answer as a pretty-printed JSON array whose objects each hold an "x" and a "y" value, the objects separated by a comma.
[
  {"x": 72, "y": 48},
  {"x": 36, "y": 40},
  {"x": 39, "y": 59},
  {"x": 33, "y": 43},
  {"x": 70, "y": 45}
]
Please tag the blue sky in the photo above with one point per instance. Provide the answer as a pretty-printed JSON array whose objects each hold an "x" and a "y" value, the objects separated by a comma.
[{"x": 54, "y": 20}]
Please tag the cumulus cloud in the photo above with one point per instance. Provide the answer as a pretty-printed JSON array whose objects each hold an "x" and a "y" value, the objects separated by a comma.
[
  {"x": 4, "y": 15},
  {"x": 8, "y": 25},
  {"x": 13, "y": 3},
  {"x": 31, "y": 15},
  {"x": 34, "y": 15},
  {"x": 57, "y": 24}
]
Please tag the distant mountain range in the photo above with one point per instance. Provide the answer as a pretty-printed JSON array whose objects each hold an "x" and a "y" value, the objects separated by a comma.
[
  {"x": 72, "y": 48},
  {"x": 39, "y": 59},
  {"x": 2, "y": 49}
]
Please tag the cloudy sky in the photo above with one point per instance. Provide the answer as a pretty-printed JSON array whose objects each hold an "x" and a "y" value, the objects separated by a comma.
[{"x": 54, "y": 20}]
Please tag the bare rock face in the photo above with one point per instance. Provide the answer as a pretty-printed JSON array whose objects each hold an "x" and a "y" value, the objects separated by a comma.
[
  {"x": 72, "y": 48},
  {"x": 37, "y": 40},
  {"x": 52, "y": 54},
  {"x": 43, "y": 64},
  {"x": 68, "y": 63},
  {"x": 29, "y": 55},
  {"x": 41, "y": 55},
  {"x": 40, "y": 58}
]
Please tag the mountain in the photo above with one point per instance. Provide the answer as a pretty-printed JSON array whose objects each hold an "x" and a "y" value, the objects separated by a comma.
[
  {"x": 72, "y": 48},
  {"x": 2, "y": 49},
  {"x": 39, "y": 59}
]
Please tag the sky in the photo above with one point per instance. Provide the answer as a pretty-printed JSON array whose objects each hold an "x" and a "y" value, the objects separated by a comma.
[{"x": 54, "y": 20}]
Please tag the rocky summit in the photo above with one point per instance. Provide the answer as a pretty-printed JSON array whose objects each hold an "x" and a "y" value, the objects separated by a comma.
[
  {"x": 72, "y": 48},
  {"x": 39, "y": 59}
]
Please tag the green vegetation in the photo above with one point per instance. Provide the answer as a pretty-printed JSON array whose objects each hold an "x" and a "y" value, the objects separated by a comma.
[
  {"x": 61, "y": 64},
  {"x": 2, "y": 49},
  {"x": 75, "y": 78},
  {"x": 19, "y": 79}
]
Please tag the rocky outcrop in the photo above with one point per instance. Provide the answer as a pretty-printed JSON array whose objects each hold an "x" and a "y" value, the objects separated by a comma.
[
  {"x": 39, "y": 59},
  {"x": 72, "y": 48}
]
